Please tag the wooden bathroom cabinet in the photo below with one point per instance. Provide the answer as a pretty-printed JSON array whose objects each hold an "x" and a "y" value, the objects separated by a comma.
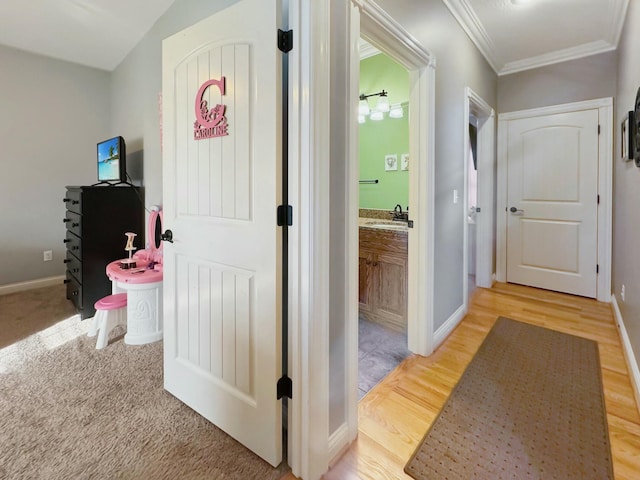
[{"x": 383, "y": 277}]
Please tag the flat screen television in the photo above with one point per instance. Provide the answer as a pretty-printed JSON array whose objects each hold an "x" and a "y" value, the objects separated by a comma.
[{"x": 112, "y": 160}]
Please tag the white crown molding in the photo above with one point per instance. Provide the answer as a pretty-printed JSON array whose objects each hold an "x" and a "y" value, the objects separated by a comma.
[
  {"x": 379, "y": 25},
  {"x": 366, "y": 49},
  {"x": 558, "y": 56},
  {"x": 617, "y": 15},
  {"x": 470, "y": 23}
]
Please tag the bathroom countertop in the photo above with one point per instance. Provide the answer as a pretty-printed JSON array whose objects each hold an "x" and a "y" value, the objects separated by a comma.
[{"x": 380, "y": 224}]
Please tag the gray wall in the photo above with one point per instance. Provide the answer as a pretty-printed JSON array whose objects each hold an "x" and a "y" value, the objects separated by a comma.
[
  {"x": 459, "y": 64},
  {"x": 582, "y": 79},
  {"x": 52, "y": 115},
  {"x": 626, "y": 215}
]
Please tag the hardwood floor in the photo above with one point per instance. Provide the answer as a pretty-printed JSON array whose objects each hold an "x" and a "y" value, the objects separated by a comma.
[{"x": 394, "y": 416}]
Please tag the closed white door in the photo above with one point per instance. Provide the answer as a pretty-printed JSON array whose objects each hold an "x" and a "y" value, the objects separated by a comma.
[
  {"x": 221, "y": 187},
  {"x": 552, "y": 202}
]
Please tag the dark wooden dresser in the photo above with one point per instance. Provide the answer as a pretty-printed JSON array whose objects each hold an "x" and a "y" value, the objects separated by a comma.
[{"x": 97, "y": 219}]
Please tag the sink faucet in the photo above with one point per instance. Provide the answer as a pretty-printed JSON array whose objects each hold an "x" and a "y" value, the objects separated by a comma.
[{"x": 399, "y": 215}]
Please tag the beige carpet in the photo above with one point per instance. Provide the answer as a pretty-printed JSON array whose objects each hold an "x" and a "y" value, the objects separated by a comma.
[
  {"x": 69, "y": 411},
  {"x": 24, "y": 313},
  {"x": 530, "y": 405}
]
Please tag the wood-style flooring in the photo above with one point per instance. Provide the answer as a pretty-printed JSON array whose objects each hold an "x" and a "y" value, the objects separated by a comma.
[{"x": 395, "y": 415}]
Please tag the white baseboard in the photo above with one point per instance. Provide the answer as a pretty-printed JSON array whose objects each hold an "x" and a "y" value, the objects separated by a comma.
[
  {"x": 338, "y": 443},
  {"x": 452, "y": 322},
  {"x": 30, "y": 285},
  {"x": 632, "y": 364}
]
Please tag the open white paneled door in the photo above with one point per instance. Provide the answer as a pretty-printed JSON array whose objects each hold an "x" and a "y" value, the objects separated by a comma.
[{"x": 222, "y": 112}]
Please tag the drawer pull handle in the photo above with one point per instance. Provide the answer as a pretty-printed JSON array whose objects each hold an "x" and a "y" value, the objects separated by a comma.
[
  {"x": 66, "y": 240},
  {"x": 74, "y": 248},
  {"x": 74, "y": 202},
  {"x": 75, "y": 294},
  {"x": 67, "y": 281},
  {"x": 66, "y": 260},
  {"x": 65, "y": 200},
  {"x": 66, "y": 220},
  {"x": 75, "y": 224}
]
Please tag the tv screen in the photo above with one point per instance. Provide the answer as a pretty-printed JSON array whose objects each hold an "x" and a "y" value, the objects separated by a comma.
[{"x": 112, "y": 160}]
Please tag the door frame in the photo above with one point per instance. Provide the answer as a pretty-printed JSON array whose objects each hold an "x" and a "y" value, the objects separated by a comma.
[
  {"x": 388, "y": 36},
  {"x": 311, "y": 446},
  {"x": 605, "y": 185},
  {"x": 486, "y": 161}
]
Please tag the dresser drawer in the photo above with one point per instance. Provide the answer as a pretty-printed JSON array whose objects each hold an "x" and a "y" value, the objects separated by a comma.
[
  {"x": 73, "y": 200},
  {"x": 73, "y": 223},
  {"x": 74, "y": 267},
  {"x": 73, "y": 244},
  {"x": 74, "y": 291}
]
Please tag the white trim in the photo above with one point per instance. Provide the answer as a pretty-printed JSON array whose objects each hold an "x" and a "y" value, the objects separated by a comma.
[
  {"x": 447, "y": 327},
  {"x": 632, "y": 364},
  {"x": 309, "y": 116},
  {"x": 558, "y": 56},
  {"x": 339, "y": 442},
  {"x": 366, "y": 50},
  {"x": 31, "y": 284},
  {"x": 475, "y": 106},
  {"x": 605, "y": 185},
  {"x": 471, "y": 24},
  {"x": 382, "y": 31},
  {"x": 352, "y": 204}
]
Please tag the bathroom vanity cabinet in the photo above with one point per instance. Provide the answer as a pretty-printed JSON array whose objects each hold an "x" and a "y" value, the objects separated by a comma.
[
  {"x": 96, "y": 221},
  {"x": 383, "y": 277}
]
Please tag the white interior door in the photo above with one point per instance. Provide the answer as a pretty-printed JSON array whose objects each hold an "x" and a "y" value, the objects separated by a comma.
[
  {"x": 222, "y": 339},
  {"x": 552, "y": 192}
]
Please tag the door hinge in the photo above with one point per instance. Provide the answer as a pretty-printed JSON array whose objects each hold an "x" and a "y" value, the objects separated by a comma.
[
  {"x": 285, "y": 215},
  {"x": 598, "y": 199},
  {"x": 285, "y": 387},
  {"x": 598, "y": 129},
  {"x": 285, "y": 40},
  {"x": 597, "y": 268}
]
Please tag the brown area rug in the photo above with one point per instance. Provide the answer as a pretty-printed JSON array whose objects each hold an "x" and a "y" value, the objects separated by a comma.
[
  {"x": 530, "y": 405},
  {"x": 69, "y": 411}
]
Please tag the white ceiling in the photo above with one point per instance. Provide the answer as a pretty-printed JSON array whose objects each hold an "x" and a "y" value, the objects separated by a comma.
[
  {"x": 519, "y": 35},
  {"x": 512, "y": 37},
  {"x": 96, "y": 33}
]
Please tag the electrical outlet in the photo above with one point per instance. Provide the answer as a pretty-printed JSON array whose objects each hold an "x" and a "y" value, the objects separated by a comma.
[
  {"x": 47, "y": 255},
  {"x": 622, "y": 293}
]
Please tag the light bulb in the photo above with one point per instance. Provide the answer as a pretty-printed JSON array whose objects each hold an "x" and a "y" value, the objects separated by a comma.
[
  {"x": 363, "y": 107},
  {"x": 383, "y": 103},
  {"x": 396, "y": 111},
  {"x": 376, "y": 115}
]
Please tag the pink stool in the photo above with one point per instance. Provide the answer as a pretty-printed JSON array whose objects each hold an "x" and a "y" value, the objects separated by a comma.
[{"x": 111, "y": 311}]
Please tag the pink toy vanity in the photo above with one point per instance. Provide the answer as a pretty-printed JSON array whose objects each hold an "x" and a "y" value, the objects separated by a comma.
[{"x": 143, "y": 286}]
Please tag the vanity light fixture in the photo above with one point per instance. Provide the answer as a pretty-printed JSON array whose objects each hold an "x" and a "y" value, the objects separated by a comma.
[{"x": 382, "y": 106}]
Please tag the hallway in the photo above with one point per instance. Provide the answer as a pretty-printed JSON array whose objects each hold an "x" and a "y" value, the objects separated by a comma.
[{"x": 397, "y": 412}]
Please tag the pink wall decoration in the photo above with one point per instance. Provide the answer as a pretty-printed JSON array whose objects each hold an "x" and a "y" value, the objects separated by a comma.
[{"x": 210, "y": 123}]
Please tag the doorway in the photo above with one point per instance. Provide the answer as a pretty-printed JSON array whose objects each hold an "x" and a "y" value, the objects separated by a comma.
[
  {"x": 479, "y": 194},
  {"x": 383, "y": 216}
]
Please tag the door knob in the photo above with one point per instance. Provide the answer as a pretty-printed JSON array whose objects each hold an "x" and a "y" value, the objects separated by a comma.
[
  {"x": 514, "y": 210},
  {"x": 167, "y": 236}
]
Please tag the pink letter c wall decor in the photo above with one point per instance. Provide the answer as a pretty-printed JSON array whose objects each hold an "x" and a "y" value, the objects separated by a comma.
[{"x": 210, "y": 123}]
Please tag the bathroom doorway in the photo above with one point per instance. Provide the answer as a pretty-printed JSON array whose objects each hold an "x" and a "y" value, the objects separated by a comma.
[{"x": 383, "y": 212}]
